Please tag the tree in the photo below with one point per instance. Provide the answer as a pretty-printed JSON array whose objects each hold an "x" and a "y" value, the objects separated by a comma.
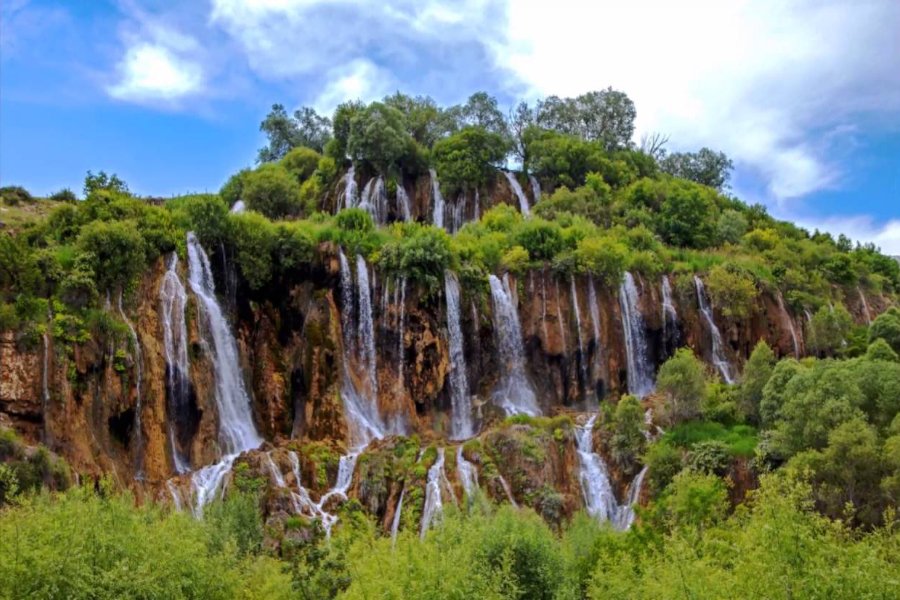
[
  {"x": 828, "y": 330},
  {"x": 627, "y": 442},
  {"x": 272, "y": 191},
  {"x": 378, "y": 136},
  {"x": 886, "y": 326},
  {"x": 653, "y": 144},
  {"x": 467, "y": 159},
  {"x": 337, "y": 147},
  {"x": 102, "y": 181},
  {"x": 732, "y": 226},
  {"x": 115, "y": 252},
  {"x": 687, "y": 214},
  {"x": 301, "y": 162},
  {"x": 604, "y": 257},
  {"x": 425, "y": 121},
  {"x": 306, "y": 128},
  {"x": 705, "y": 167},
  {"x": 757, "y": 373},
  {"x": 732, "y": 290},
  {"x": 521, "y": 126},
  {"x": 481, "y": 110},
  {"x": 605, "y": 116},
  {"x": 682, "y": 381}
]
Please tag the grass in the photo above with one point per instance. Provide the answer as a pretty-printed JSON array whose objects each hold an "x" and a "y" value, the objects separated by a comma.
[
  {"x": 740, "y": 439},
  {"x": 14, "y": 217}
]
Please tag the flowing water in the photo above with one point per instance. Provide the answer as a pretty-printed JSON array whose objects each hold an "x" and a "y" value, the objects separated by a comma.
[
  {"x": 403, "y": 202},
  {"x": 640, "y": 372},
  {"x": 626, "y": 515},
  {"x": 176, "y": 497},
  {"x": 468, "y": 474},
  {"x": 400, "y": 340},
  {"x": 559, "y": 317},
  {"x": 517, "y": 190},
  {"x": 433, "y": 508},
  {"x": 514, "y": 393},
  {"x": 865, "y": 305},
  {"x": 173, "y": 300},
  {"x": 366, "y": 333},
  {"x": 238, "y": 207},
  {"x": 789, "y": 322},
  {"x": 581, "y": 349},
  {"x": 718, "y": 346},
  {"x": 461, "y": 408},
  {"x": 45, "y": 377},
  {"x": 374, "y": 200},
  {"x": 236, "y": 430},
  {"x": 348, "y": 197},
  {"x": 458, "y": 213},
  {"x": 535, "y": 188},
  {"x": 138, "y": 380},
  {"x": 395, "y": 523},
  {"x": 437, "y": 201},
  {"x": 508, "y": 490},
  {"x": 669, "y": 317},
  {"x": 477, "y": 206}
]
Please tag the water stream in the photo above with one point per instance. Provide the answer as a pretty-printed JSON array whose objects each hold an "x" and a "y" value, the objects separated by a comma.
[
  {"x": 517, "y": 190},
  {"x": 640, "y": 371},
  {"x": 461, "y": 407},
  {"x": 718, "y": 346},
  {"x": 514, "y": 393}
]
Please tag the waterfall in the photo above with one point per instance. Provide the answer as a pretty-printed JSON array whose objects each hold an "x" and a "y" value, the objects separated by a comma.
[
  {"x": 458, "y": 213},
  {"x": 461, "y": 408},
  {"x": 789, "y": 322},
  {"x": 374, "y": 200},
  {"x": 865, "y": 305},
  {"x": 517, "y": 190},
  {"x": 544, "y": 309},
  {"x": 514, "y": 393},
  {"x": 395, "y": 523},
  {"x": 176, "y": 497},
  {"x": 509, "y": 495},
  {"x": 477, "y": 206},
  {"x": 400, "y": 340},
  {"x": 173, "y": 300},
  {"x": 138, "y": 380},
  {"x": 595, "y": 309},
  {"x": 581, "y": 352},
  {"x": 348, "y": 197},
  {"x": 640, "y": 372},
  {"x": 468, "y": 475},
  {"x": 559, "y": 318},
  {"x": 360, "y": 408},
  {"x": 433, "y": 507},
  {"x": 346, "y": 467},
  {"x": 437, "y": 201},
  {"x": 238, "y": 207},
  {"x": 669, "y": 317},
  {"x": 236, "y": 430},
  {"x": 277, "y": 476},
  {"x": 599, "y": 498},
  {"x": 403, "y": 202},
  {"x": 45, "y": 376},
  {"x": 718, "y": 346},
  {"x": 535, "y": 188}
]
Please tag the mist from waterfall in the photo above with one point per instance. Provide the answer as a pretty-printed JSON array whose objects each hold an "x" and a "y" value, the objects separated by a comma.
[
  {"x": 718, "y": 346},
  {"x": 514, "y": 393},
  {"x": 640, "y": 371},
  {"x": 461, "y": 407},
  {"x": 517, "y": 190}
]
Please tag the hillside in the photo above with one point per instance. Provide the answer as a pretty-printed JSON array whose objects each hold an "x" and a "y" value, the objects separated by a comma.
[{"x": 382, "y": 333}]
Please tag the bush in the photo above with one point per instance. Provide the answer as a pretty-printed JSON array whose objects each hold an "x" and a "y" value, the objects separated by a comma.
[
  {"x": 515, "y": 260},
  {"x": 663, "y": 462},
  {"x": 114, "y": 251},
  {"x": 879, "y": 350},
  {"x": 627, "y": 430},
  {"x": 886, "y": 326},
  {"x": 421, "y": 254},
  {"x": 301, "y": 162},
  {"x": 64, "y": 195},
  {"x": 602, "y": 257},
  {"x": 757, "y": 372},
  {"x": 542, "y": 239},
  {"x": 710, "y": 457},
  {"x": 829, "y": 329},
  {"x": 233, "y": 189},
  {"x": 682, "y": 381},
  {"x": 209, "y": 219},
  {"x": 13, "y": 195},
  {"x": 254, "y": 242},
  {"x": 732, "y": 290},
  {"x": 732, "y": 226},
  {"x": 272, "y": 191},
  {"x": 467, "y": 159}
]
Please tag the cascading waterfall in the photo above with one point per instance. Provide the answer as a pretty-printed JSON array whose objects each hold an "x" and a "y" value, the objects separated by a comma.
[
  {"x": 718, "y": 346},
  {"x": 599, "y": 498},
  {"x": 514, "y": 393},
  {"x": 374, "y": 200},
  {"x": 458, "y": 212},
  {"x": 138, "y": 380},
  {"x": 360, "y": 407},
  {"x": 437, "y": 200},
  {"x": 400, "y": 340},
  {"x": 544, "y": 308},
  {"x": 173, "y": 300},
  {"x": 559, "y": 317},
  {"x": 176, "y": 497},
  {"x": 535, "y": 188},
  {"x": 640, "y": 372},
  {"x": 348, "y": 197},
  {"x": 581, "y": 349},
  {"x": 395, "y": 523},
  {"x": 789, "y": 322},
  {"x": 508, "y": 490},
  {"x": 403, "y": 202},
  {"x": 468, "y": 474},
  {"x": 461, "y": 408},
  {"x": 517, "y": 190},
  {"x": 865, "y": 305},
  {"x": 236, "y": 430},
  {"x": 595, "y": 316},
  {"x": 433, "y": 506},
  {"x": 238, "y": 207},
  {"x": 669, "y": 317}
]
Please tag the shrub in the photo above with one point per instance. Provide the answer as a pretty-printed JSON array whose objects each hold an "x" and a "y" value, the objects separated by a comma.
[
  {"x": 542, "y": 239},
  {"x": 886, "y": 326},
  {"x": 829, "y": 329},
  {"x": 13, "y": 195},
  {"x": 421, "y": 254},
  {"x": 515, "y": 260},
  {"x": 467, "y": 159},
  {"x": 114, "y": 251},
  {"x": 64, "y": 195},
  {"x": 208, "y": 218},
  {"x": 602, "y": 257},
  {"x": 663, "y": 462},
  {"x": 732, "y": 226},
  {"x": 627, "y": 431},
  {"x": 880, "y": 350},
  {"x": 272, "y": 191},
  {"x": 233, "y": 189},
  {"x": 254, "y": 242},
  {"x": 682, "y": 381},
  {"x": 757, "y": 372},
  {"x": 709, "y": 457},
  {"x": 301, "y": 162},
  {"x": 732, "y": 290}
]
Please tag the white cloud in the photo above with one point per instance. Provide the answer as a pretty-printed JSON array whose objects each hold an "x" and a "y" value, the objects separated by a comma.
[
  {"x": 860, "y": 228},
  {"x": 761, "y": 80},
  {"x": 153, "y": 72},
  {"x": 358, "y": 80}
]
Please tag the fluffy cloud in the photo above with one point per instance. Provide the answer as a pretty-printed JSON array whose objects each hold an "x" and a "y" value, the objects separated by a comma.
[
  {"x": 765, "y": 81},
  {"x": 152, "y": 72},
  {"x": 358, "y": 80}
]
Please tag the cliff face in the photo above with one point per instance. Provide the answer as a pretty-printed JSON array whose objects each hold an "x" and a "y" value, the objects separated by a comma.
[{"x": 290, "y": 338}]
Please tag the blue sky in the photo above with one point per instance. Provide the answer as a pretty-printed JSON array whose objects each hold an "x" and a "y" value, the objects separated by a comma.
[{"x": 803, "y": 95}]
